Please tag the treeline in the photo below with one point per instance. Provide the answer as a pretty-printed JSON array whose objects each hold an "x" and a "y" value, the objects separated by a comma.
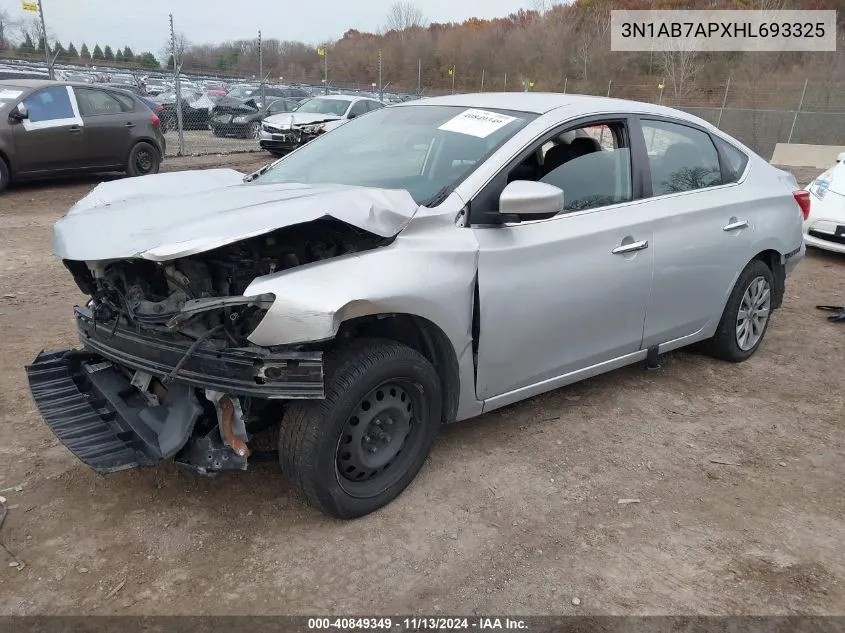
[
  {"x": 84, "y": 55},
  {"x": 547, "y": 46}
]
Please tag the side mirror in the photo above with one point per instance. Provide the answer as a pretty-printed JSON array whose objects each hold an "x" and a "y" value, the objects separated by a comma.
[
  {"x": 527, "y": 197},
  {"x": 352, "y": 115},
  {"x": 19, "y": 113}
]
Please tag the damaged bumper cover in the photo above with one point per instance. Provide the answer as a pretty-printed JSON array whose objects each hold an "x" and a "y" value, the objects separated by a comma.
[
  {"x": 91, "y": 401},
  {"x": 245, "y": 371}
]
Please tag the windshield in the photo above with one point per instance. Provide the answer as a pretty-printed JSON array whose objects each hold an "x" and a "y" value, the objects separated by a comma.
[
  {"x": 423, "y": 149},
  {"x": 243, "y": 92},
  {"x": 335, "y": 107}
]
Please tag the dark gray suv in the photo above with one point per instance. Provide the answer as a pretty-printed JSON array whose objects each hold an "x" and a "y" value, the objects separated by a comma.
[{"x": 50, "y": 128}]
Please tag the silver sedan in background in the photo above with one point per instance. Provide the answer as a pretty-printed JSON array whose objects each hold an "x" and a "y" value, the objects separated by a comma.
[{"x": 423, "y": 264}]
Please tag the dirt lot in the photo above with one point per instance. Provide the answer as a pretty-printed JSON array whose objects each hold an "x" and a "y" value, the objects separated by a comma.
[{"x": 515, "y": 512}]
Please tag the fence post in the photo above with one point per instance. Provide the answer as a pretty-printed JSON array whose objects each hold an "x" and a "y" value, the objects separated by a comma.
[
  {"x": 505, "y": 86},
  {"x": 177, "y": 70},
  {"x": 608, "y": 87},
  {"x": 565, "y": 80},
  {"x": 724, "y": 102},
  {"x": 797, "y": 112}
]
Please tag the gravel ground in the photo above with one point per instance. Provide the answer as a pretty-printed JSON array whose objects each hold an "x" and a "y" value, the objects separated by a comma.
[{"x": 515, "y": 512}]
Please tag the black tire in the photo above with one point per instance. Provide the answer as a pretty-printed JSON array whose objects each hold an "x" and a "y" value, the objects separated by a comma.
[
  {"x": 254, "y": 131},
  {"x": 143, "y": 160},
  {"x": 4, "y": 174},
  {"x": 218, "y": 133},
  {"x": 725, "y": 345},
  {"x": 318, "y": 438}
]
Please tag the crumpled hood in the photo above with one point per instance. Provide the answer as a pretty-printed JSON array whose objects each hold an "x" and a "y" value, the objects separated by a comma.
[
  {"x": 166, "y": 216},
  {"x": 283, "y": 120}
]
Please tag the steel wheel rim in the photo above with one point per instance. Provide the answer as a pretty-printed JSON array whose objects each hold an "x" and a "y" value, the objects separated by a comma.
[
  {"x": 255, "y": 130},
  {"x": 753, "y": 313},
  {"x": 144, "y": 161},
  {"x": 378, "y": 441}
]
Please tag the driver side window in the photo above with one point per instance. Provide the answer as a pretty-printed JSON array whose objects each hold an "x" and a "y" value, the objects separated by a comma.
[{"x": 590, "y": 163}]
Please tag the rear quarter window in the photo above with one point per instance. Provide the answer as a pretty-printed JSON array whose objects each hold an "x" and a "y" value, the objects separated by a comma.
[{"x": 734, "y": 159}]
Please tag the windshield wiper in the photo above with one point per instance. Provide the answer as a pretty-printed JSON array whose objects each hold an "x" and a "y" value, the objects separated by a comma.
[
  {"x": 254, "y": 175},
  {"x": 438, "y": 197}
]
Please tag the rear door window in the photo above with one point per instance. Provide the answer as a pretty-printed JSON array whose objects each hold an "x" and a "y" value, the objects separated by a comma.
[
  {"x": 681, "y": 158},
  {"x": 97, "y": 102}
]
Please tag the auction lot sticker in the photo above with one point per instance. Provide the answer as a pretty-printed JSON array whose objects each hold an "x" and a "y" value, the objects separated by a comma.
[{"x": 480, "y": 123}]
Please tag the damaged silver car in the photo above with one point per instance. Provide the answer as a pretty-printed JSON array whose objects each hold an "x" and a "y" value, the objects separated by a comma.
[{"x": 424, "y": 264}]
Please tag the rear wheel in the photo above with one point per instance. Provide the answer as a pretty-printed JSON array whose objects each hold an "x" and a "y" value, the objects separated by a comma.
[
  {"x": 143, "y": 160},
  {"x": 746, "y": 316},
  {"x": 361, "y": 446}
]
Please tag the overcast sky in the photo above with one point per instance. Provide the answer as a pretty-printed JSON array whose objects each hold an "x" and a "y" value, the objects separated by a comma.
[{"x": 143, "y": 24}]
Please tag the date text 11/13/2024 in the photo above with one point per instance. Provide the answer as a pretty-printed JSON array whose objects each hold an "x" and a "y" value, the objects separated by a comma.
[{"x": 416, "y": 624}]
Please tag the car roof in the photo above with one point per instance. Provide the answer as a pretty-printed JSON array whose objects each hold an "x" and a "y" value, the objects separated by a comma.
[
  {"x": 543, "y": 102},
  {"x": 29, "y": 83}
]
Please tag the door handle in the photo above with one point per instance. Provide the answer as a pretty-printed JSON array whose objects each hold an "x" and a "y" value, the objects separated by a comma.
[
  {"x": 130, "y": 124},
  {"x": 630, "y": 248},
  {"x": 735, "y": 225},
  {"x": 74, "y": 129}
]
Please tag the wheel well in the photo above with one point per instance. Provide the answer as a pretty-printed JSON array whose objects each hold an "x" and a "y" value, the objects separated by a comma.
[
  {"x": 772, "y": 259},
  {"x": 421, "y": 335},
  {"x": 5, "y": 159}
]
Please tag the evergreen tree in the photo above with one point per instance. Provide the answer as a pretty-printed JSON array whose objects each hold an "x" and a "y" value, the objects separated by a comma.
[
  {"x": 108, "y": 54},
  {"x": 84, "y": 53},
  {"x": 118, "y": 56},
  {"x": 71, "y": 51},
  {"x": 40, "y": 46},
  {"x": 98, "y": 53},
  {"x": 170, "y": 63},
  {"x": 27, "y": 47},
  {"x": 148, "y": 60},
  {"x": 128, "y": 55}
]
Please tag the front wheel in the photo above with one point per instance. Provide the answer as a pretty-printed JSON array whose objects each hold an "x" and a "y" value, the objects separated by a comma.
[
  {"x": 143, "y": 160},
  {"x": 746, "y": 316},
  {"x": 356, "y": 450},
  {"x": 254, "y": 131}
]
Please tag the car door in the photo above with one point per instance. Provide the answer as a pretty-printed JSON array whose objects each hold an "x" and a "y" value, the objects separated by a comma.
[
  {"x": 703, "y": 230},
  {"x": 108, "y": 127},
  {"x": 567, "y": 293},
  {"x": 50, "y": 139}
]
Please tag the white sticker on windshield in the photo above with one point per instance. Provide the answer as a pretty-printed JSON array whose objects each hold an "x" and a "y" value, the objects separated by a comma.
[
  {"x": 10, "y": 94},
  {"x": 480, "y": 123}
]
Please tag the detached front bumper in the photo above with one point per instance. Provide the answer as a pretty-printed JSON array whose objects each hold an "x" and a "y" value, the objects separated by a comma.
[
  {"x": 102, "y": 403},
  {"x": 254, "y": 371}
]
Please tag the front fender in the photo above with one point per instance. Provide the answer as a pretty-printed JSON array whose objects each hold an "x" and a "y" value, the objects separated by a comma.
[{"x": 427, "y": 271}]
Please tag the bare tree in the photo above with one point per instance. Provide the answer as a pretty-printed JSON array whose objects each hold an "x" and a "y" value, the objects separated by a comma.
[
  {"x": 680, "y": 65},
  {"x": 404, "y": 15},
  {"x": 6, "y": 26},
  {"x": 182, "y": 45}
]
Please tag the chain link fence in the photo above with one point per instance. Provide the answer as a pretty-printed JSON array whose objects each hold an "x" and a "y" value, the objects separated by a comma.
[{"x": 759, "y": 114}]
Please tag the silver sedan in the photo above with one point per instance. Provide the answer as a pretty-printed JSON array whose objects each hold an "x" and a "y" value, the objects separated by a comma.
[{"x": 422, "y": 264}]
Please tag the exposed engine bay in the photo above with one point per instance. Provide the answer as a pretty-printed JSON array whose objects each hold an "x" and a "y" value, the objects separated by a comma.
[{"x": 201, "y": 296}]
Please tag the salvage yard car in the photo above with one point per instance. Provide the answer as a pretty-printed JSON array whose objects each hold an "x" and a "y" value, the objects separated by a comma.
[
  {"x": 825, "y": 225},
  {"x": 49, "y": 128},
  {"x": 242, "y": 119},
  {"x": 424, "y": 264},
  {"x": 282, "y": 133}
]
